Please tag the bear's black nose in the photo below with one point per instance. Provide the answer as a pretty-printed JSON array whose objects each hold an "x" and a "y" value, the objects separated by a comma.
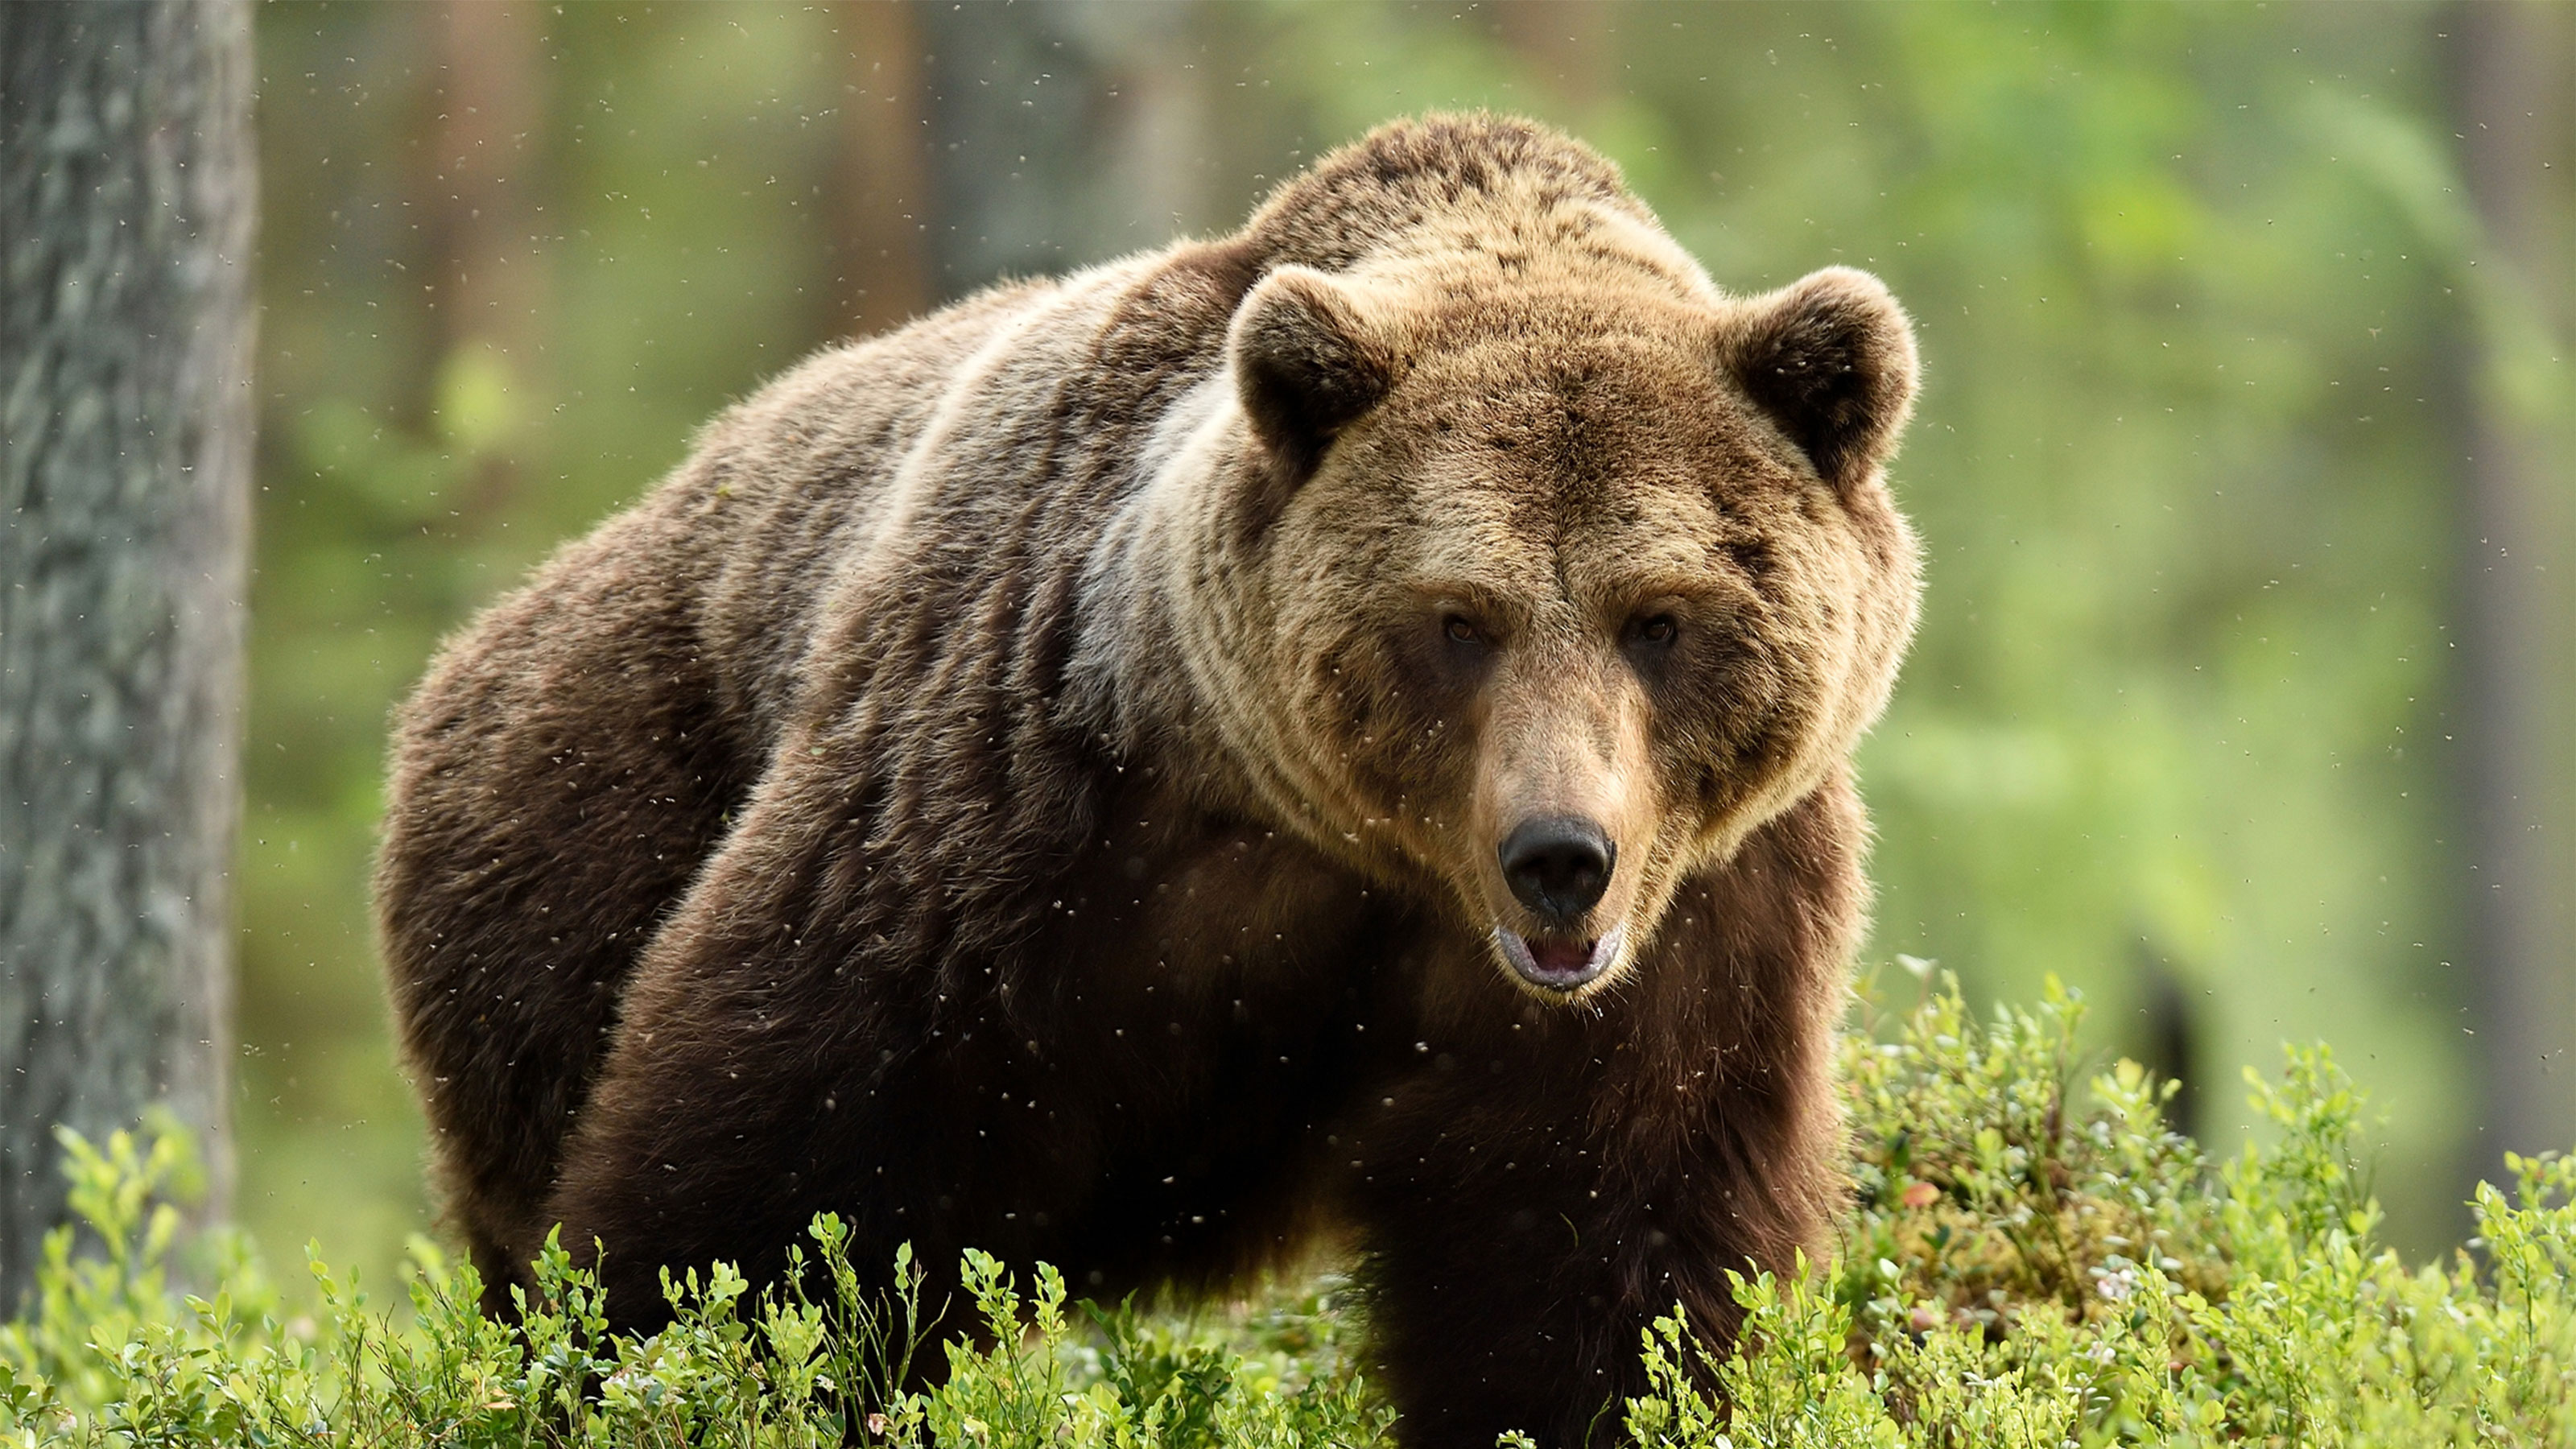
[{"x": 1558, "y": 865}]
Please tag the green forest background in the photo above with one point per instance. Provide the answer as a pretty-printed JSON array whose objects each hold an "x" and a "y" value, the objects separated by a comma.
[{"x": 2203, "y": 711}]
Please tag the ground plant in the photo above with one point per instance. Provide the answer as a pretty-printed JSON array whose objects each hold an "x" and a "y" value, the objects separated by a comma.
[{"x": 2032, "y": 1259}]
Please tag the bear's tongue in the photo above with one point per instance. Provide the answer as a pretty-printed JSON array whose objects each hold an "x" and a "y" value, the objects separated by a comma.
[
  {"x": 1561, "y": 958},
  {"x": 1555, "y": 963}
]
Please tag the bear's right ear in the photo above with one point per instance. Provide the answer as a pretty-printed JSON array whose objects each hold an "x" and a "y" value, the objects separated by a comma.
[{"x": 1307, "y": 363}]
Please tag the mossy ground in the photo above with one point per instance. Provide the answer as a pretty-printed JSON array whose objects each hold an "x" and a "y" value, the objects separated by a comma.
[{"x": 2032, "y": 1259}]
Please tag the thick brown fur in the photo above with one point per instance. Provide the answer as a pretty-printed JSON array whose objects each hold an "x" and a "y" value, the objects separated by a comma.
[{"x": 1034, "y": 781}]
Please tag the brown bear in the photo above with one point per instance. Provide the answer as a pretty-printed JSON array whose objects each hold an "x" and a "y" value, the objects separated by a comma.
[{"x": 1341, "y": 729}]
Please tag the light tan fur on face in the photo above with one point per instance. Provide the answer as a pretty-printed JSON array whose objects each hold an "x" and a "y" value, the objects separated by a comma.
[
  {"x": 1566, "y": 732},
  {"x": 1567, "y": 448}
]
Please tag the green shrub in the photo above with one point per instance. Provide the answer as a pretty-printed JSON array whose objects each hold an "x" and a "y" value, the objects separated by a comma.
[{"x": 2032, "y": 1259}]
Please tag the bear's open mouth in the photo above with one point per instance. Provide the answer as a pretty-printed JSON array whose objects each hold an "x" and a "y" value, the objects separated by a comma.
[{"x": 1554, "y": 963}]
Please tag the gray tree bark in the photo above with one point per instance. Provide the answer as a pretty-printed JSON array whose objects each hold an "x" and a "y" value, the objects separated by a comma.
[{"x": 126, "y": 217}]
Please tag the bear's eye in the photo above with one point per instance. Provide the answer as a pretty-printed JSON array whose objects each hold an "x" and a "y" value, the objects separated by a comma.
[
  {"x": 1459, "y": 629},
  {"x": 1657, "y": 629}
]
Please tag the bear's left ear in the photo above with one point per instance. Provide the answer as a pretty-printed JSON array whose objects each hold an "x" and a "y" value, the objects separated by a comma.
[
  {"x": 1830, "y": 358},
  {"x": 1307, "y": 364}
]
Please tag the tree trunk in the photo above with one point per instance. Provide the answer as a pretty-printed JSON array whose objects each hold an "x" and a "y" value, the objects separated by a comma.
[
  {"x": 880, "y": 199},
  {"x": 2516, "y": 65},
  {"x": 483, "y": 209},
  {"x": 126, "y": 190},
  {"x": 1060, "y": 136}
]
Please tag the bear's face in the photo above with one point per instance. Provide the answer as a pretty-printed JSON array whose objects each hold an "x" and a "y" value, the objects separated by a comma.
[{"x": 1552, "y": 595}]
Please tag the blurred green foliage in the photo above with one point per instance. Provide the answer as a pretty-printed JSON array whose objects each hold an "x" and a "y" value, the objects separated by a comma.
[{"x": 2193, "y": 290}]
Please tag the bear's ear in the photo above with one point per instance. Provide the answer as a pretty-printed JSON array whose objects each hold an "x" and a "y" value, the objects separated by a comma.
[
  {"x": 1307, "y": 363},
  {"x": 1830, "y": 358}
]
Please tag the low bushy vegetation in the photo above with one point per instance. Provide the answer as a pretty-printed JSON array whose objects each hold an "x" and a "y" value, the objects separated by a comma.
[{"x": 2033, "y": 1260}]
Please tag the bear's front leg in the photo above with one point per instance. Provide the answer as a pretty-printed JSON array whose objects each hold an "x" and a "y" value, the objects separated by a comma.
[
  {"x": 1535, "y": 1196},
  {"x": 725, "y": 1120},
  {"x": 1133, "y": 1094},
  {"x": 786, "y": 1048}
]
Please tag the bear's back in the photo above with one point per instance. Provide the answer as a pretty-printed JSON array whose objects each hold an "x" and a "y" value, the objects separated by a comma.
[
  {"x": 785, "y": 488},
  {"x": 888, "y": 472}
]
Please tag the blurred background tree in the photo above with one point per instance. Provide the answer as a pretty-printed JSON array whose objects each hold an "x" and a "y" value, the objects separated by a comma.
[{"x": 2245, "y": 688}]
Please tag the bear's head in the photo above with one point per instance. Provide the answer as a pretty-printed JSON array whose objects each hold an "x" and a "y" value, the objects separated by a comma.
[{"x": 1535, "y": 577}]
